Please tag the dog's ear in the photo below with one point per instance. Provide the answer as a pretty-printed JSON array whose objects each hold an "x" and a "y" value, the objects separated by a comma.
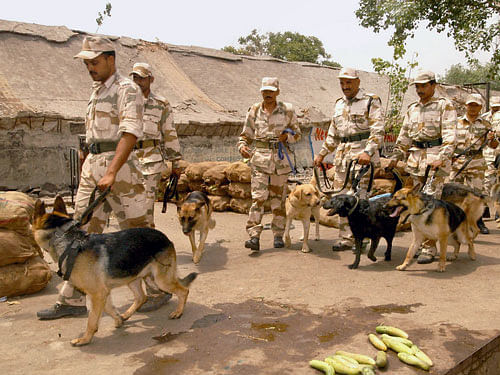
[
  {"x": 408, "y": 183},
  {"x": 416, "y": 188},
  {"x": 39, "y": 208},
  {"x": 60, "y": 206}
]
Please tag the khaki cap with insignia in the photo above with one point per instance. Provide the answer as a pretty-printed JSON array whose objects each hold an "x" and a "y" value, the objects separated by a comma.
[
  {"x": 270, "y": 83},
  {"x": 141, "y": 69},
  {"x": 93, "y": 46},
  {"x": 495, "y": 101},
  {"x": 424, "y": 76},
  {"x": 474, "y": 98},
  {"x": 349, "y": 73}
]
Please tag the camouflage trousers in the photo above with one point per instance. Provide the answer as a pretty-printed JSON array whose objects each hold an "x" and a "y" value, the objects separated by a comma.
[
  {"x": 127, "y": 200},
  {"x": 472, "y": 176},
  {"x": 490, "y": 175},
  {"x": 267, "y": 186},
  {"x": 345, "y": 234},
  {"x": 151, "y": 185}
]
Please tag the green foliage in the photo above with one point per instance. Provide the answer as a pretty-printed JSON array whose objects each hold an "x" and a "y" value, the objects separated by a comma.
[
  {"x": 100, "y": 16},
  {"x": 473, "y": 24},
  {"x": 398, "y": 85},
  {"x": 475, "y": 73},
  {"x": 287, "y": 46}
]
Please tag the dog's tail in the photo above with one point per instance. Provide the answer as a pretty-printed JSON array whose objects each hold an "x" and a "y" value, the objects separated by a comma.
[{"x": 188, "y": 279}]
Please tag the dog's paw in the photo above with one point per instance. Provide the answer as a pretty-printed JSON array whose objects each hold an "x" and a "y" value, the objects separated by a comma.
[
  {"x": 353, "y": 266},
  {"x": 472, "y": 256},
  {"x": 301, "y": 238},
  {"x": 387, "y": 258},
  {"x": 175, "y": 314},
  {"x": 373, "y": 258},
  {"x": 118, "y": 322},
  {"x": 316, "y": 238},
  {"x": 79, "y": 341},
  {"x": 441, "y": 267},
  {"x": 305, "y": 250},
  {"x": 401, "y": 267},
  {"x": 288, "y": 242},
  {"x": 196, "y": 259},
  {"x": 451, "y": 258}
]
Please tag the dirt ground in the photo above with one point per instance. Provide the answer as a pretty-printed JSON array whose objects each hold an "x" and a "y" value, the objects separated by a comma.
[{"x": 270, "y": 313}]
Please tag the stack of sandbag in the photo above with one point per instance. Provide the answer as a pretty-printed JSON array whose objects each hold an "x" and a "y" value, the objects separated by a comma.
[
  {"x": 22, "y": 269},
  {"x": 227, "y": 184}
]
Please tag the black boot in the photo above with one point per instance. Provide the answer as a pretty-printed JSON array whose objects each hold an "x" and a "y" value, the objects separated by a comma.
[
  {"x": 482, "y": 227},
  {"x": 253, "y": 244},
  {"x": 486, "y": 213},
  {"x": 278, "y": 242},
  {"x": 59, "y": 310}
]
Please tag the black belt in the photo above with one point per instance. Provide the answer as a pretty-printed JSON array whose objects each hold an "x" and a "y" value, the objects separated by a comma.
[
  {"x": 355, "y": 137},
  {"x": 147, "y": 143},
  {"x": 428, "y": 144},
  {"x": 100, "y": 147}
]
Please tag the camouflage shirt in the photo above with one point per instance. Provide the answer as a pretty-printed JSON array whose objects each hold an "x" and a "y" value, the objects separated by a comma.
[
  {"x": 358, "y": 115},
  {"x": 159, "y": 125},
  {"x": 424, "y": 122},
  {"x": 263, "y": 131},
  {"x": 494, "y": 120},
  {"x": 115, "y": 107}
]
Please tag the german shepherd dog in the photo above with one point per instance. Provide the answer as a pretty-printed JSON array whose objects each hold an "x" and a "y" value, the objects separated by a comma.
[
  {"x": 195, "y": 215},
  {"x": 433, "y": 219},
  {"x": 106, "y": 261},
  {"x": 302, "y": 203},
  {"x": 367, "y": 219}
]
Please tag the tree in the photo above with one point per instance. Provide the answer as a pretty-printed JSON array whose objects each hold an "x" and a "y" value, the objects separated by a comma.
[
  {"x": 471, "y": 23},
  {"x": 398, "y": 85},
  {"x": 287, "y": 46},
  {"x": 458, "y": 75},
  {"x": 100, "y": 16}
]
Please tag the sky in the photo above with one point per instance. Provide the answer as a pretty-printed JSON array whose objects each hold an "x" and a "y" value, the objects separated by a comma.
[{"x": 218, "y": 23}]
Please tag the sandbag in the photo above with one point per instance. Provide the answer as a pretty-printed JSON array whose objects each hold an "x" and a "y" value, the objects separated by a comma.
[
  {"x": 220, "y": 190},
  {"x": 16, "y": 247},
  {"x": 239, "y": 190},
  {"x": 219, "y": 203},
  {"x": 182, "y": 183},
  {"x": 195, "y": 185},
  {"x": 382, "y": 186},
  {"x": 215, "y": 175},
  {"x": 195, "y": 170},
  {"x": 329, "y": 221},
  {"x": 24, "y": 278},
  {"x": 16, "y": 210},
  {"x": 240, "y": 205},
  {"x": 238, "y": 172}
]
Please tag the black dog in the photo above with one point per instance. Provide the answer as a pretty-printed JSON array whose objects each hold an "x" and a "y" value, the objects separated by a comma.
[{"x": 367, "y": 219}]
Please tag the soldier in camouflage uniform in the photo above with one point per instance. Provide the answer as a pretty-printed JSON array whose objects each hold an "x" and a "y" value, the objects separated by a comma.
[
  {"x": 356, "y": 132},
  {"x": 113, "y": 123},
  {"x": 269, "y": 126},
  {"x": 427, "y": 138},
  {"x": 472, "y": 131},
  {"x": 489, "y": 153},
  {"x": 158, "y": 143}
]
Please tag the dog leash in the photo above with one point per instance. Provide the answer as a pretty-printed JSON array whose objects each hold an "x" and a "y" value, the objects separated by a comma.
[
  {"x": 282, "y": 149},
  {"x": 170, "y": 191}
]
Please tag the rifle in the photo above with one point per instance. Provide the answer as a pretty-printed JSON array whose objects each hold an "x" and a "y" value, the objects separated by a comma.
[{"x": 471, "y": 155}]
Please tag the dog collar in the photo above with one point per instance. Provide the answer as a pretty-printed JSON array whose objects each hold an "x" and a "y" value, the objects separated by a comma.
[{"x": 355, "y": 206}]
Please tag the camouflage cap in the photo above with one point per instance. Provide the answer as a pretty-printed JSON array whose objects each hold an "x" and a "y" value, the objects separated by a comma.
[
  {"x": 348, "y": 73},
  {"x": 141, "y": 69},
  {"x": 93, "y": 46},
  {"x": 495, "y": 101},
  {"x": 424, "y": 76},
  {"x": 270, "y": 83},
  {"x": 474, "y": 98}
]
